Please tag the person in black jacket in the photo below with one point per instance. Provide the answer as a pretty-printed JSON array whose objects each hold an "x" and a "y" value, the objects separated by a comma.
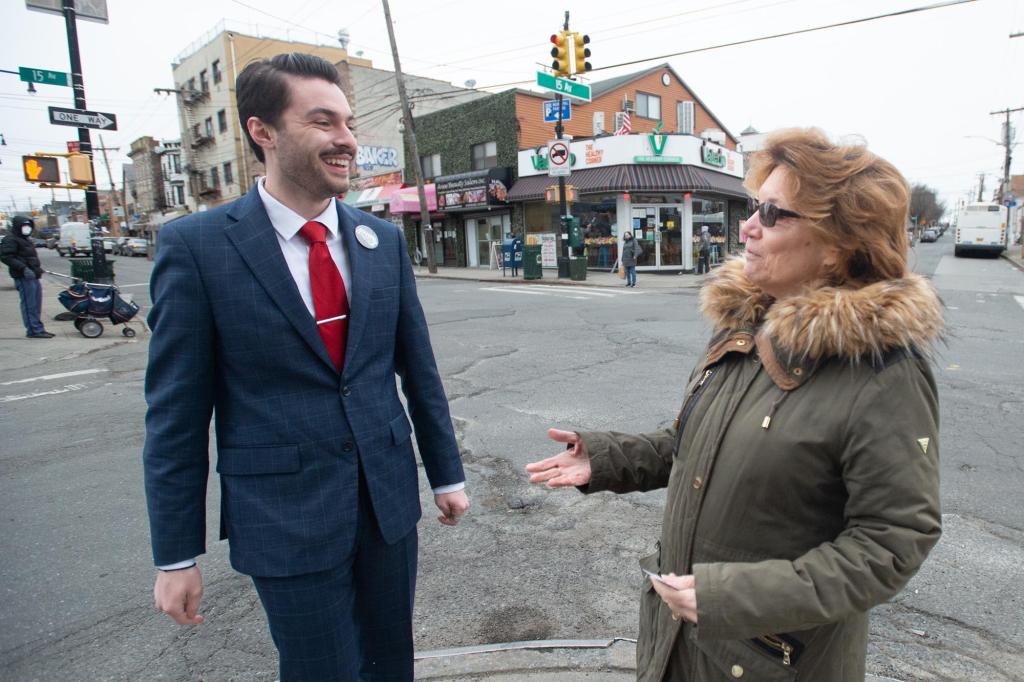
[{"x": 18, "y": 253}]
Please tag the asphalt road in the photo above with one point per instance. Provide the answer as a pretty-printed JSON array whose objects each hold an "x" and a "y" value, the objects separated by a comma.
[{"x": 526, "y": 563}]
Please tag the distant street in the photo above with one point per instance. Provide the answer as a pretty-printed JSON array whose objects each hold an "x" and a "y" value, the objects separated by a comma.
[{"x": 526, "y": 563}]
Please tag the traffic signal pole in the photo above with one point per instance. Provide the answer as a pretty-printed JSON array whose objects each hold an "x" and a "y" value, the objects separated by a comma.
[
  {"x": 92, "y": 204},
  {"x": 563, "y": 205}
]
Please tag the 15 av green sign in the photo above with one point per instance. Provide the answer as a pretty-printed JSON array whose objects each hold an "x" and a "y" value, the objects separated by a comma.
[{"x": 43, "y": 76}]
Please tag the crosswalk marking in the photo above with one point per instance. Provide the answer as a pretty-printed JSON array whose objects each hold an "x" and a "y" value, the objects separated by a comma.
[
  {"x": 523, "y": 290},
  {"x": 557, "y": 291},
  {"x": 56, "y": 391},
  {"x": 50, "y": 377}
]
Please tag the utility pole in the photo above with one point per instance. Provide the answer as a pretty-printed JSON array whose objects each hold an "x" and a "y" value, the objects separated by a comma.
[
  {"x": 410, "y": 139},
  {"x": 981, "y": 186},
  {"x": 92, "y": 205},
  {"x": 113, "y": 188},
  {"x": 1004, "y": 188}
]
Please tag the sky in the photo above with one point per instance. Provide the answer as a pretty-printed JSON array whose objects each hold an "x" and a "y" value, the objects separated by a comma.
[{"x": 918, "y": 88}]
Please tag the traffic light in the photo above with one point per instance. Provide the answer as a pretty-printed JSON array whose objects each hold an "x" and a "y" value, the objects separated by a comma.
[
  {"x": 560, "y": 53},
  {"x": 582, "y": 53},
  {"x": 42, "y": 169},
  {"x": 571, "y": 226},
  {"x": 80, "y": 169}
]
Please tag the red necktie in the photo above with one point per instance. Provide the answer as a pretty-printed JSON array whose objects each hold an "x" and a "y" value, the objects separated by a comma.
[{"x": 329, "y": 299}]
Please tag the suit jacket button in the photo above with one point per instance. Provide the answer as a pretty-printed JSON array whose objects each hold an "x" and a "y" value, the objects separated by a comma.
[
  {"x": 347, "y": 447},
  {"x": 345, "y": 391}
]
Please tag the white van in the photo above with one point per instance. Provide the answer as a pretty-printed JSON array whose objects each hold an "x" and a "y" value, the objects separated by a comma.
[{"x": 75, "y": 238}]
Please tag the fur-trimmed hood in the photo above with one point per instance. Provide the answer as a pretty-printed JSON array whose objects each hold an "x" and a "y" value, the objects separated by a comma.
[{"x": 838, "y": 322}]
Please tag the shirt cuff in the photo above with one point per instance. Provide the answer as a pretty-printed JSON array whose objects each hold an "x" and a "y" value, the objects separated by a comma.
[
  {"x": 454, "y": 487},
  {"x": 187, "y": 563}
]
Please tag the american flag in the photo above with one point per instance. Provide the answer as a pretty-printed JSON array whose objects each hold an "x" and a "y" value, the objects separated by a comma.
[{"x": 625, "y": 128}]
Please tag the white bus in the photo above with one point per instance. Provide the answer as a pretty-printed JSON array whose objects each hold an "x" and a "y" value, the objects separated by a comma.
[{"x": 980, "y": 228}]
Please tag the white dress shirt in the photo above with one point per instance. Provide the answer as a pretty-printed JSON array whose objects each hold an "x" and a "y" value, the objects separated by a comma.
[{"x": 295, "y": 248}]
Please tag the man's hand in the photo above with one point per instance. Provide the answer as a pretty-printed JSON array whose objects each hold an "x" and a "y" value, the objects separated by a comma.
[
  {"x": 452, "y": 506},
  {"x": 177, "y": 593},
  {"x": 567, "y": 468},
  {"x": 680, "y": 595}
]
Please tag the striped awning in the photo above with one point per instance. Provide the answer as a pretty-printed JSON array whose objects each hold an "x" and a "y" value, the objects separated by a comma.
[{"x": 634, "y": 178}]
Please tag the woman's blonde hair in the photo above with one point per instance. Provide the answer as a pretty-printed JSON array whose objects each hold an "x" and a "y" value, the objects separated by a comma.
[{"x": 854, "y": 200}]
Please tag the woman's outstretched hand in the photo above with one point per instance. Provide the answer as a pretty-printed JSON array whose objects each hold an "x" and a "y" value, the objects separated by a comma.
[{"x": 568, "y": 468}]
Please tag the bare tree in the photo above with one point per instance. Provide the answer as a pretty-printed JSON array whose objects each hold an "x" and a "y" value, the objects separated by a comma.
[{"x": 925, "y": 204}]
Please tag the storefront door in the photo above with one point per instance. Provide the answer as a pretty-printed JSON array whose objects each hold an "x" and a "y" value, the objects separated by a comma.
[{"x": 659, "y": 229}]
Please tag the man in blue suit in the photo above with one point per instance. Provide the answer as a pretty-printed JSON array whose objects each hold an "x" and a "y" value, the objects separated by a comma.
[{"x": 288, "y": 314}]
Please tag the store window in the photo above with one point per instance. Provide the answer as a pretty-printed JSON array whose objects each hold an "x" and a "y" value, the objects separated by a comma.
[
  {"x": 485, "y": 155},
  {"x": 709, "y": 213},
  {"x": 598, "y": 218},
  {"x": 488, "y": 232},
  {"x": 648, "y": 106}
]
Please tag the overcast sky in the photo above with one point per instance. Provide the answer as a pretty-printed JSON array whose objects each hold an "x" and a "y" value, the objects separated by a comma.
[{"x": 915, "y": 86}]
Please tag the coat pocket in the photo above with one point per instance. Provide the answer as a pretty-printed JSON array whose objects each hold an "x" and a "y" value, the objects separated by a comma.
[
  {"x": 733, "y": 659},
  {"x": 400, "y": 429},
  {"x": 277, "y": 459}
]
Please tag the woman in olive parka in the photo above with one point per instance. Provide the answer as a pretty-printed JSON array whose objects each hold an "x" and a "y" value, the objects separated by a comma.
[{"x": 802, "y": 470}]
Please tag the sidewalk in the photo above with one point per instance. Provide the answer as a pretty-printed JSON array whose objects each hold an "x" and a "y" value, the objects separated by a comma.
[
  {"x": 595, "y": 278},
  {"x": 1013, "y": 254}
]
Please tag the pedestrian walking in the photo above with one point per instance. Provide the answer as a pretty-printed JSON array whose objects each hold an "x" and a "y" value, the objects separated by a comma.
[
  {"x": 19, "y": 254},
  {"x": 802, "y": 469},
  {"x": 704, "y": 252},
  {"x": 631, "y": 253},
  {"x": 288, "y": 315}
]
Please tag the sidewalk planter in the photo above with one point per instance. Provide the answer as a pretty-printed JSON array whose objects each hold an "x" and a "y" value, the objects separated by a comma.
[
  {"x": 532, "y": 262},
  {"x": 578, "y": 269}
]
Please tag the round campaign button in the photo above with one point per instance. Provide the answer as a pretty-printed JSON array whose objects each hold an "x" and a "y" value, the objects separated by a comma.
[{"x": 366, "y": 237}]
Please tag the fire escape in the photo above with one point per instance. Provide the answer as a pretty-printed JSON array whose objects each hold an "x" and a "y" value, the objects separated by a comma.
[{"x": 197, "y": 139}]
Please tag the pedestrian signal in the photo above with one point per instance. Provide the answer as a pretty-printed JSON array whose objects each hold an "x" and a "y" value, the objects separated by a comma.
[
  {"x": 560, "y": 53},
  {"x": 80, "y": 169},
  {"x": 42, "y": 169},
  {"x": 582, "y": 53}
]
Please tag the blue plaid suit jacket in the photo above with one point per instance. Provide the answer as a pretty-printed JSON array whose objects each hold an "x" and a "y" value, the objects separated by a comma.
[{"x": 232, "y": 339}]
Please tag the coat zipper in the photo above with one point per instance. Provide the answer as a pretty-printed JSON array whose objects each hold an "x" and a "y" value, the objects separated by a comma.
[
  {"x": 777, "y": 646},
  {"x": 691, "y": 402}
]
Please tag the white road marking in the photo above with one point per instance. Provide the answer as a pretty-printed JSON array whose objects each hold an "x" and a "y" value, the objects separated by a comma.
[
  {"x": 1020, "y": 300},
  {"x": 56, "y": 391},
  {"x": 523, "y": 290},
  {"x": 51, "y": 377},
  {"x": 593, "y": 291}
]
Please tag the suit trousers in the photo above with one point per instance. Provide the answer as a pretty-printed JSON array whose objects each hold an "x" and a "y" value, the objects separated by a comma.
[{"x": 352, "y": 622}]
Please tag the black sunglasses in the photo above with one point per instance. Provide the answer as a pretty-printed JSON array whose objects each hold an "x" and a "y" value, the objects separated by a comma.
[{"x": 769, "y": 213}]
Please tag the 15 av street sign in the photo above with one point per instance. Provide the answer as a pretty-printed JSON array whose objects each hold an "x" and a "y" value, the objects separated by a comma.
[
  {"x": 564, "y": 86},
  {"x": 80, "y": 118},
  {"x": 43, "y": 76}
]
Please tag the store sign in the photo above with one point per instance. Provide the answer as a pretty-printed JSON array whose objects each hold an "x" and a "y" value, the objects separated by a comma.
[
  {"x": 476, "y": 189},
  {"x": 370, "y": 158},
  {"x": 657, "y": 140},
  {"x": 367, "y": 181},
  {"x": 713, "y": 155}
]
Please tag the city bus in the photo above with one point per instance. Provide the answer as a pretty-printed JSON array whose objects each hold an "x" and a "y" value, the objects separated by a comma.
[{"x": 980, "y": 228}]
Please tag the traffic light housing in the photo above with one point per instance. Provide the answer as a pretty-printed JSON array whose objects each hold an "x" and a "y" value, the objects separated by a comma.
[
  {"x": 560, "y": 63},
  {"x": 571, "y": 226},
  {"x": 80, "y": 169},
  {"x": 43, "y": 169},
  {"x": 582, "y": 53}
]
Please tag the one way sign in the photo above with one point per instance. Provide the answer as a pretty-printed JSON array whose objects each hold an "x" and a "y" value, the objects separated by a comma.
[{"x": 80, "y": 118}]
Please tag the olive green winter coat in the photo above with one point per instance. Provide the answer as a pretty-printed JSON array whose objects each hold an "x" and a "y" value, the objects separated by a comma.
[{"x": 802, "y": 475}]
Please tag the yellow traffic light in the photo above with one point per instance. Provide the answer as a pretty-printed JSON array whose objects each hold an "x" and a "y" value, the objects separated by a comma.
[
  {"x": 560, "y": 53},
  {"x": 582, "y": 53},
  {"x": 80, "y": 169},
  {"x": 42, "y": 169}
]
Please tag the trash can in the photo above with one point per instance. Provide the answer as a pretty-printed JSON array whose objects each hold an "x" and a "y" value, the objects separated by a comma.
[
  {"x": 82, "y": 268},
  {"x": 532, "y": 262},
  {"x": 563, "y": 266},
  {"x": 578, "y": 269}
]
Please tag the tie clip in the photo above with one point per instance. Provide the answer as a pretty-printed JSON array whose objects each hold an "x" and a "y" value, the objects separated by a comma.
[{"x": 331, "y": 319}]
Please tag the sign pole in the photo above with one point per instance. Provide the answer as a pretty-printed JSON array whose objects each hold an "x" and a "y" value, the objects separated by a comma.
[
  {"x": 92, "y": 204},
  {"x": 563, "y": 209}
]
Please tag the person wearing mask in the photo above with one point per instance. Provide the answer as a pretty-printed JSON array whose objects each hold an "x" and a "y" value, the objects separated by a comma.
[
  {"x": 802, "y": 470},
  {"x": 631, "y": 253},
  {"x": 704, "y": 252},
  {"x": 289, "y": 316},
  {"x": 18, "y": 253}
]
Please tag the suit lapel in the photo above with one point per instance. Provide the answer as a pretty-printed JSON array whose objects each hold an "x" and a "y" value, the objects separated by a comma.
[
  {"x": 359, "y": 263},
  {"x": 254, "y": 237}
]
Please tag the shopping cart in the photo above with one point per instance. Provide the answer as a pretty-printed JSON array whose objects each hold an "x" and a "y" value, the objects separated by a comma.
[{"x": 89, "y": 301}]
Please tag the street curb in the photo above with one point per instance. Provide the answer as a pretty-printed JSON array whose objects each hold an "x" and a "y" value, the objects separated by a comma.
[{"x": 1015, "y": 261}]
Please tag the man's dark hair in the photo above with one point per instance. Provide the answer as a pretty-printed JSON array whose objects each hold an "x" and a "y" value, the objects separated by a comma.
[{"x": 261, "y": 90}]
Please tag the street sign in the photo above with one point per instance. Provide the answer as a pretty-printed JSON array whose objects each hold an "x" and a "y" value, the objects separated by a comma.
[
  {"x": 559, "y": 159},
  {"x": 40, "y": 169},
  {"x": 551, "y": 110},
  {"x": 74, "y": 147},
  {"x": 564, "y": 86},
  {"x": 43, "y": 76},
  {"x": 80, "y": 118}
]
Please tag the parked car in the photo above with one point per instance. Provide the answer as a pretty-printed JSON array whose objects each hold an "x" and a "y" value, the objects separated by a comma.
[
  {"x": 109, "y": 244},
  {"x": 929, "y": 235},
  {"x": 134, "y": 246},
  {"x": 38, "y": 242}
]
